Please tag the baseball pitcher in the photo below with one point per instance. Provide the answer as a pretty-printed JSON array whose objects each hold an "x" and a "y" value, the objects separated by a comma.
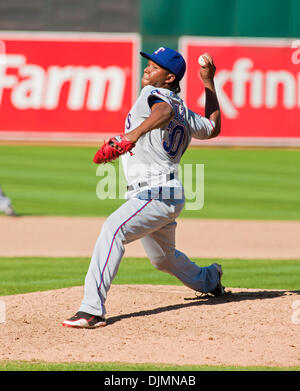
[{"x": 158, "y": 130}]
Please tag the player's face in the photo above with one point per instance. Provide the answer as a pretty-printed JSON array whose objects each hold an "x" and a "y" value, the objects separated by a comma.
[{"x": 154, "y": 75}]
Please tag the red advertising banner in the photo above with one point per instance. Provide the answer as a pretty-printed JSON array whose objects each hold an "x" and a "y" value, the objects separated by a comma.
[
  {"x": 67, "y": 82},
  {"x": 257, "y": 82}
]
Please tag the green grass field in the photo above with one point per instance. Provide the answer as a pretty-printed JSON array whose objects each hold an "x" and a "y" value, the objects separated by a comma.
[
  {"x": 22, "y": 275},
  {"x": 239, "y": 183},
  {"x": 41, "y": 366}
]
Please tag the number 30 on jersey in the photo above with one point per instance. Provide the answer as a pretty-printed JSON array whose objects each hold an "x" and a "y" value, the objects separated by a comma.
[{"x": 176, "y": 133}]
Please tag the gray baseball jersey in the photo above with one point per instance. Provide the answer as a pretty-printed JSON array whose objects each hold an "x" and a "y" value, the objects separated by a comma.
[
  {"x": 159, "y": 152},
  {"x": 150, "y": 169}
]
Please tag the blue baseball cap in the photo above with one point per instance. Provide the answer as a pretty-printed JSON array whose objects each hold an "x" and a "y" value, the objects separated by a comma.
[{"x": 169, "y": 59}]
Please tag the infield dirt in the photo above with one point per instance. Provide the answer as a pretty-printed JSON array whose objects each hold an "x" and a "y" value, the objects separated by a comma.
[
  {"x": 155, "y": 324},
  {"x": 76, "y": 236}
]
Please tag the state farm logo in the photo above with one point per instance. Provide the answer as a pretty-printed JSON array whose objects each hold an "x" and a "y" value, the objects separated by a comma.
[
  {"x": 34, "y": 87},
  {"x": 255, "y": 88}
]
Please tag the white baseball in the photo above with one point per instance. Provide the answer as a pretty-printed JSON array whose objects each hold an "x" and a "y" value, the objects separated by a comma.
[{"x": 201, "y": 61}]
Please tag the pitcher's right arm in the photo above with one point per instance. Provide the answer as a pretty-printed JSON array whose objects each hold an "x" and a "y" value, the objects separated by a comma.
[{"x": 212, "y": 108}]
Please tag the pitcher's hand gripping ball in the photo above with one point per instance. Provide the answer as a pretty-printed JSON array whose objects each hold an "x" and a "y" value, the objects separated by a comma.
[
  {"x": 114, "y": 148},
  {"x": 203, "y": 58}
]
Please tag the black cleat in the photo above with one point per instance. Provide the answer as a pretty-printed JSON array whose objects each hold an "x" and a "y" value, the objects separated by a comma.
[
  {"x": 82, "y": 320},
  {"x": 219, "y": 289}
]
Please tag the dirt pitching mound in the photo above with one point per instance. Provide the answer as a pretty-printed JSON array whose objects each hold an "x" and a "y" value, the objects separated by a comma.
[{"x": 156, "y": 324}]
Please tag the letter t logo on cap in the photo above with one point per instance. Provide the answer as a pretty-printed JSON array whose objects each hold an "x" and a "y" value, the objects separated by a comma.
[{"x": 161, "y": 49}]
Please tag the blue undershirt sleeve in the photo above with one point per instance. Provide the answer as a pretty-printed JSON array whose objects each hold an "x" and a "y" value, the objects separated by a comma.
[{"x": 153, "y": 100}]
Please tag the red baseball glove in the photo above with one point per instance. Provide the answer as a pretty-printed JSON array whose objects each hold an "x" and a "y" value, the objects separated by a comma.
[{"x": 114, "y": 148}]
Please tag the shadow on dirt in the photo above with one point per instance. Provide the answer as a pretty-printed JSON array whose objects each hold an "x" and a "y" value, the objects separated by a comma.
[{"x": 206, "y": 300}]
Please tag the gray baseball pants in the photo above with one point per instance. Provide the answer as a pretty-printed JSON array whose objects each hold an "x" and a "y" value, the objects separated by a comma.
[{"x": 152, "y": 221}]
